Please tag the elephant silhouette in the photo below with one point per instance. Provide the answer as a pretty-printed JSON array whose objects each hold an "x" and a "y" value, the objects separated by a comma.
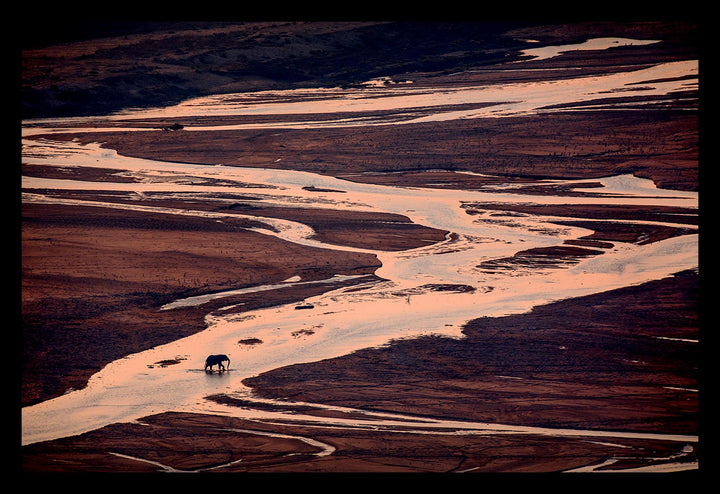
[{"x": 217, "y": 360}]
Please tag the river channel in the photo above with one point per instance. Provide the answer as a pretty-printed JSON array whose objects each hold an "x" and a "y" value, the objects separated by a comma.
[{"x": 401, "y": 305}]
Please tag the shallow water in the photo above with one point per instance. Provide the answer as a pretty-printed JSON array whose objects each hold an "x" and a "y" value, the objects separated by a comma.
[
  {"x": 545, "y": 52},
  {"x": 342, "y": 320},
  {"x": 407, "y": 103}
]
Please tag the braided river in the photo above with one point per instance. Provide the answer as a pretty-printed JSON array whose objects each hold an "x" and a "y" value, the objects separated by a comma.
[{"x": 402, "y": 303}]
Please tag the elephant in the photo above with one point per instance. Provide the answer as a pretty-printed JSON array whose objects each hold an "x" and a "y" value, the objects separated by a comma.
[{"x": 216, "y": 359}]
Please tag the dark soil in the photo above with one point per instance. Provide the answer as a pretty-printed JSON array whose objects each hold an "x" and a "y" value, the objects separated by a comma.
[
  {"x": 100, "y": 67},
  {"x": 101, "y": 275},
  {"x": 590, "y": 362},
  {"x": 661, "y": 145},
  {"x": 93, "y": 279}
]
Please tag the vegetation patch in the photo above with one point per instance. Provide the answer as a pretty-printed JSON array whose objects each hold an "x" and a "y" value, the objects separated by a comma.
[{"x": 250, "y": 341}]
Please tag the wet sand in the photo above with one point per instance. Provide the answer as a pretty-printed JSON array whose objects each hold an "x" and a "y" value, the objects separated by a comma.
[
  {"x": 179, "y": 442},
  {"x": 101, "y": 275},
  {"x": 507, "y": 370},
  {"x": 618, "y": 360},
  {"x": 657, "y": 144},
  {"x": 592, "y": 362},
  {"x": 596, "y": 362}
]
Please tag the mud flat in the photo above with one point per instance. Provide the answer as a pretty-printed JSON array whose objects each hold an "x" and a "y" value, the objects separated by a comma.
[
  {"x": 181, "y": 442},
  {"x": 656, "y": 144},
  {"x": 133, "y": 224},
  {"x": 101, "y": 275},
  {"x": 590, "y": 361},
  {"x": 578, "y": 364}
]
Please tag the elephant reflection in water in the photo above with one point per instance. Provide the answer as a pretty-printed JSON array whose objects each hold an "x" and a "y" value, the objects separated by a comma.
[{"x": 217, "y": 360}]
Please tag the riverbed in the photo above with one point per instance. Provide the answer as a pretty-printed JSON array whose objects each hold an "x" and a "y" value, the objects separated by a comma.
[
  {"x": 429, "y": 290},
  {"x": 342, "y": 321}
]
